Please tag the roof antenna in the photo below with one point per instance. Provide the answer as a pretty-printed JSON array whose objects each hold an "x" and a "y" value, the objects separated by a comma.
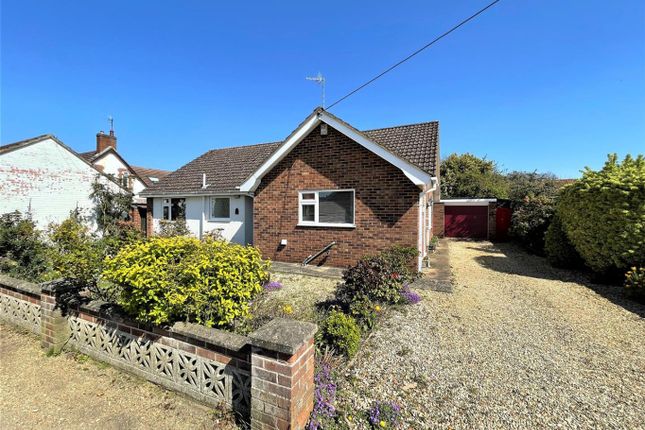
[
  {"x": 111, "y": 121},
  {"x": 320, "y": 80}
]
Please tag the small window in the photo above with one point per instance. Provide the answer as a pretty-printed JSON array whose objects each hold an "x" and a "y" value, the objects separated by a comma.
[
  {"x": 220, "y": 208},
  {"x": 125, "y": 180},
  {"x": 173, "y": 209},
  {"x": 331, "y": 208}
]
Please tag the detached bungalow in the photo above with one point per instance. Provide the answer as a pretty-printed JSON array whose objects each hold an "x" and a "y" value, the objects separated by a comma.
[{"x": 327, "y": 182}]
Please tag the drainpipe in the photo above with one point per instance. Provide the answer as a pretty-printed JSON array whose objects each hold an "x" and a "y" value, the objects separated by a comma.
[
  {"x": 201, "y": 217},
  {"x": 421, "y": 245}
]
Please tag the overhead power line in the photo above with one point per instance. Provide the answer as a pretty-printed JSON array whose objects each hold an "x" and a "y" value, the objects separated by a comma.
[{"x": 438, "y": 38}]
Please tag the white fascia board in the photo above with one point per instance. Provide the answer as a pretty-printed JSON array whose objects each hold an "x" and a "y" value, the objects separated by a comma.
[
  {"x": 416, "y": 175},
  {"x": 467, "y": 202},
  {"x": 254, "y": 180},
  {"x": 413, "y": 173}
]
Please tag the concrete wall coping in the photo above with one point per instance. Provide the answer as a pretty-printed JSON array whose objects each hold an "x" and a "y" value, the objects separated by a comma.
[
  {"x": 283, "y": 335},
  {"x": 20, "y": 285},
  {"x": 221, "y": 338}
]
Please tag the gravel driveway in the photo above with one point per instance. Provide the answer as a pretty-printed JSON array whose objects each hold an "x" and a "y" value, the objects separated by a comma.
[
  {"x": 517, "y": 345},
  {"x": 72, "y": 392}
]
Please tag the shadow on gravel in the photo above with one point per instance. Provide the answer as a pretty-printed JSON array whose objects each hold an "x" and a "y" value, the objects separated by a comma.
[{"x": 512, "y": 259}]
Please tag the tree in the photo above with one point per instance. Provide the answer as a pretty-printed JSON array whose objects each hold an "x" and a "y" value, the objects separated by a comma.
[
  {"x": 111, "y": 207},
  {"x": 531, "y": 184},
  {"x": 468, "y": 176}
]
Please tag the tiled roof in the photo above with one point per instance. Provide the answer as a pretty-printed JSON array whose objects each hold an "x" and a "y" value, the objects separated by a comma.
[
  {"x": 145, "y": 174},
  {"x": 225, "y": 169},
  {"x": 415, "y": 143},
  {"x": 87, "y": 155},
  {"x": 228, "y": 168}
]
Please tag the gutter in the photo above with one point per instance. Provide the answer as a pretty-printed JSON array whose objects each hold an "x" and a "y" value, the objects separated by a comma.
[{"x": 199, "y": 194}]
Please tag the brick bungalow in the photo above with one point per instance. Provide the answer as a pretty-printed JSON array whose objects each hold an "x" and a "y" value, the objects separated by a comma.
[{"x": 326, "y": 182}]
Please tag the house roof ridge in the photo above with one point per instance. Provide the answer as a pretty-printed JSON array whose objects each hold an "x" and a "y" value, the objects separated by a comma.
[
  {"x": 244, "y": 146},
  {"x": 402, "y": 125},
  {"x": 29, "y": 140}
]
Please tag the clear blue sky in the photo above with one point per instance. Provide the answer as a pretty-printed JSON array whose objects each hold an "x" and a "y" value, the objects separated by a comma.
[{"x": 550, "y": 85}]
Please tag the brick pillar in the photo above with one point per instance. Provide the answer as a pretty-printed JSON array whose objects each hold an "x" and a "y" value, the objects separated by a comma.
[
  {"x": 54, "y": 331},
  {"x": 149, "y": 226},
  {"x": 282, "y": 375},
  {"x": 492, "y": 220}
]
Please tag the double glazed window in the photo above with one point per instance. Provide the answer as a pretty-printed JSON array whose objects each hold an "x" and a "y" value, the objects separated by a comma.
[
  {"x": 328, "y": 208},
  {"x": 173, "y": 209},
  {"x": 220, "y": 208}
]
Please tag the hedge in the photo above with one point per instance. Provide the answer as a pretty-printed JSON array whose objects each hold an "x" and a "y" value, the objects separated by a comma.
[{"x": 603, "y": 215}]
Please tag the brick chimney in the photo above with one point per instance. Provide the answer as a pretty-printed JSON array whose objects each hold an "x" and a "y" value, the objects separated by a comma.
[{"x": 104, "y": 141}]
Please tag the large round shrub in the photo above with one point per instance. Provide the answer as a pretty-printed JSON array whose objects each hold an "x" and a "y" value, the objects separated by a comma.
[
  {"x": 181, "y": 278},
  {"x": 603, "y": 214},
  {"x": 530, "y": 220},
  {"x": 557, "y": 247}
]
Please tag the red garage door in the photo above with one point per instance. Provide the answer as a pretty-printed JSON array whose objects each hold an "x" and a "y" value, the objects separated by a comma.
[{"x": 466, "y": 221}]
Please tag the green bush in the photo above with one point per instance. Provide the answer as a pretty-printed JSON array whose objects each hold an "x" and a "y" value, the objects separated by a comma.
[
  {"x": 165, "y": 280},
  {"x": 558, "y": 249},
  {"x": 402, "y": 260},
  {"x": 530, "y": 221},
  {"x": 174, "y": 228},
  {"x": 635, "y": 283},
  {"x": 340, "y": 332},
  {"x": 603, "y": 215},
  {"x": 364, "y": 312},
  {"x": 23, "y": 252},
  {"x": 77, "y": 256},
  {"x": 372, "y": 278}
]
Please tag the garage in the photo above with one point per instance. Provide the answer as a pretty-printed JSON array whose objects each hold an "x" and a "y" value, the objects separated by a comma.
[{"x": 466, "y": 218}]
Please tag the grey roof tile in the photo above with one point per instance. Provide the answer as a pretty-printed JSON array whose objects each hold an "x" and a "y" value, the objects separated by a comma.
[{"x": 228, "y": 168}]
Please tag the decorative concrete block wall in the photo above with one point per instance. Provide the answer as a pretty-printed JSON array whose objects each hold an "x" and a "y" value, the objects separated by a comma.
[
  {"x": 266, "y": 377},
  {"x": 20, "y": 303}
]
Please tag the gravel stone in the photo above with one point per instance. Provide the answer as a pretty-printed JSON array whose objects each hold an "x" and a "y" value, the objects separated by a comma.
[{"x": 518, "y": 345}]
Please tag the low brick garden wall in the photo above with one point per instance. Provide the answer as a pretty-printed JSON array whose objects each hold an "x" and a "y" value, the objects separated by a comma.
[{"x": 267, "y": 377}]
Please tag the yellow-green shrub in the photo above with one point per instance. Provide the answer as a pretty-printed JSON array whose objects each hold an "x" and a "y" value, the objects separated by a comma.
[{"x": 168, "y": 279}]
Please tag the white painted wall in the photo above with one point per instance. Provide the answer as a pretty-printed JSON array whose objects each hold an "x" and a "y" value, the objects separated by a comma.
[
  {"x": 236, "y": 230},
  {"x": 47, "y": 178},
  {"x": 112, "y": 165}
]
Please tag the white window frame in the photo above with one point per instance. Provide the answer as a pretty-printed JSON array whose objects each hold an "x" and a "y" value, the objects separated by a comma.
[
  {"x": 315, "y": 203},
  {"x": 211, "y": 201},
  {"x": 167, "y": 203}
]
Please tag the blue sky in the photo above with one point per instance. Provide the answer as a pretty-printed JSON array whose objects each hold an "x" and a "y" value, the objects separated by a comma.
[{"x": 533, "y": 84}]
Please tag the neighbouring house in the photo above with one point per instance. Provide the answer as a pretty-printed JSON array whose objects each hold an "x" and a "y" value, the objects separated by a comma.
[
  {"x": 327, "y": 182},
  {"x": 107, "y": 160},
  {"x": 47, "y": 179}
]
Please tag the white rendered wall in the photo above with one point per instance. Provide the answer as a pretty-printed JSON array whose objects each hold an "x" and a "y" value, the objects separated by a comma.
[
  {"x": 199, "y": 223},
  {"x": 47, "y": 178},
  {"x": 110, "y": 164}
]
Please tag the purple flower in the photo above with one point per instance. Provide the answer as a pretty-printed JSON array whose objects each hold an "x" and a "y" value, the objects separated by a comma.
[
  {"x": 272, "y": 286},
  {"x": 410, "y": 296},
  {"x": 389, "y": 412},
  {"x": 324, "y": 397}
]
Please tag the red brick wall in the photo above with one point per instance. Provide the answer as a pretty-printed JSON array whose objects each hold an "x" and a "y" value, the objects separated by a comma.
[
  {"x": 438, "y": 220},
  {"x": 386, "y": 202}
]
